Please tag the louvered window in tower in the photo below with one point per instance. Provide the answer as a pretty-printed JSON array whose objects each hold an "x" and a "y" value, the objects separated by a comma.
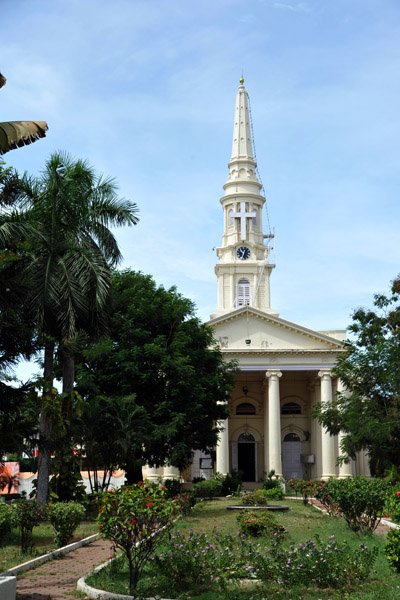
[{"x": 243, "y": 293}]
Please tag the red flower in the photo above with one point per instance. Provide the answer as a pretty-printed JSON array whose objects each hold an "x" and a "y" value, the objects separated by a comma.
[
  {"x": 100, "y": 526},
  {"x": 149, "y": 504},
  {"x": 397, "y": 493},
  {"x": 140, "y": 482},
  {"x": 386, "y": 515},
  {"x": 100, "y": 510},
  {"x": 133, "y": 522}
]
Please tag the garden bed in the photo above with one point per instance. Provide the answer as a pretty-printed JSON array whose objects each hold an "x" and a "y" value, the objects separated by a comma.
[{"x": 302, "y": 523}]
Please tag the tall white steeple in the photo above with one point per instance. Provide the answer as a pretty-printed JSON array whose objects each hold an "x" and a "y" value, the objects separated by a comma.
[{"x": 243, "y": 270}]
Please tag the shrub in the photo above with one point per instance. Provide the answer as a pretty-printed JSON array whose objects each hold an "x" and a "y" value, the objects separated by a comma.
[
  {"x": 231, "y": 482},
  {"x": 136, "y": 519},
  {"x": 65, "y": 518},
  {"x": 209, "y": 488},
  {"x": 172, "y": 487},
  {"x": 259, "y": 523},
  {"x": 198, "y": 557},
  {"x": 274, "y": 493},
  {"x": 322, "y": 492},
  {"x": 361, "y": 502},
  {"x": 320, "y": 563},
  {"x": 5, "y": 520},
  {"x": 393, "y": 504},
  {"x": 256, "y": 498},
  {"x": 303, "y": 488},
  {"x": 26, "y": 514},
  {"x": 270, "y": 481},
  {"x": 392, "y": 548}
]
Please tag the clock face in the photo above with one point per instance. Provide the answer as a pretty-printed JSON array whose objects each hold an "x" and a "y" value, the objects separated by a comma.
[{"x": 243, "y": 253}]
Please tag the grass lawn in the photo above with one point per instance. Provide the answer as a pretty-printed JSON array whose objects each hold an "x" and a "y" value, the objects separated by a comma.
[
  {"x": 302, "y": 522},
  {"x": 43, "y": 538}
]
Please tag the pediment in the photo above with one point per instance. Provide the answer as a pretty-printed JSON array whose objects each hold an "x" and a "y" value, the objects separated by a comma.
[{"x": 267, "y": 333}]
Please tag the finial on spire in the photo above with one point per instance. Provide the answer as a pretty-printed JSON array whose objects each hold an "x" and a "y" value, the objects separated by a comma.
[{"x": 241, "y": 80}]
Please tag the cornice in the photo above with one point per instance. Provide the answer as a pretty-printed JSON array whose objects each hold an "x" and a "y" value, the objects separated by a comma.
[{"x": 281, "y": 351}]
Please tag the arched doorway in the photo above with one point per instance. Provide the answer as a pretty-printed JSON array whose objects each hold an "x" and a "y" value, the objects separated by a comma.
[
  {"x": 246, "y": 449},
  {"x": 292, "y": 466}
]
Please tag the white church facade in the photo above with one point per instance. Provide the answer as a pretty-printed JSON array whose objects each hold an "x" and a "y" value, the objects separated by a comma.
[{"x": 284, "y": 368}]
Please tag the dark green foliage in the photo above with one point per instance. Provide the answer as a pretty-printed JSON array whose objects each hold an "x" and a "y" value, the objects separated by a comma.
[
  {"x": 256, "y": 498},
  {"x": 208, "y": 488},
  {"x": 392, "y": 548},
  {"x": 274, "y": 493},
  {"x": 360, "y": 501},
  {"x": 65, "y": 518},
  {"x": 26, "y": 515},
  {"x": 172, "y": 488},
  {"x": 231, "y": 482},
  {"x": 160, "y": 356},
  {"x": 256, "y": 523},
  {"x": 5, "y": 520},
  {"x": 369, "y": 412}
]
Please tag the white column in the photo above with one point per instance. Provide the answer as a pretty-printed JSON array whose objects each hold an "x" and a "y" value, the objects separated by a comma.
[
  {"x": 153, "y": 473},
  {"x": 327, "y": 441},
  {"x": 274, "y": 422},
  {"x": 222, "y": 449},
  {"x": 345, "y": 470},
  {"x": 265, "y": 429},
  {"x": 171, "y": 472}
]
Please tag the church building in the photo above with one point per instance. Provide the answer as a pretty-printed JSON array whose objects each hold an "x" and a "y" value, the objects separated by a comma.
[{"x": 284, "y": 368}]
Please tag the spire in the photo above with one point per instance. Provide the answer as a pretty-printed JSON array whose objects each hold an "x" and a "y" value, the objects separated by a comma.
[
  {"x": 242, "y": 165},
  {"x": 242, "y": 146}
]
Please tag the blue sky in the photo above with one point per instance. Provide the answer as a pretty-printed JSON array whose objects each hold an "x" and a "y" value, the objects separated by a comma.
[{"x": 146, "y": 91}]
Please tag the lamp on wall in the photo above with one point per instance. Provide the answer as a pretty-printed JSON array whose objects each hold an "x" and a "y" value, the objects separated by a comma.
[
  {"x": 248, "y": 342},
  {"x": 245, "y": 389}
]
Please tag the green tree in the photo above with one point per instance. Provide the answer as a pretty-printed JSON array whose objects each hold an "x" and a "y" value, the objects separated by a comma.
[
  {"x": 369, "y": 411},
  {"x": 65, "y": 217},
  {"x": 159, "y": 352}
]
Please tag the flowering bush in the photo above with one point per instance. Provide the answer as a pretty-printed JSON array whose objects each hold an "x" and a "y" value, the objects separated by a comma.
[
  {"x": 65, "y": 518},
  {"x": 136, "y": 519},
  {"x": 303, "y": 488},
  {"x": 393, "y": 505},
  {"x": 323, "y": 491},
  {"x": 197, "y": 558},
  {"x": 5, "y": 520},
  {"x": 26, "y": 514},
  {"x": 259, "y": 523},
  {"x": 324, "y": 564},
  {"x": 360, "y": 501},
  {"x": 392, "y": 548}
]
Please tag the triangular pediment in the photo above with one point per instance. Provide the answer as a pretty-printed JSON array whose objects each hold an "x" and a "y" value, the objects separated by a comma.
[{"x": 268, "y": 333}]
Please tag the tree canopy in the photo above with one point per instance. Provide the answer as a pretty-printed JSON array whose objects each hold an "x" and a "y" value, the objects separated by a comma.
[
  {"x": 368, "y": 412},
  {"x": 159, "y": 354}
]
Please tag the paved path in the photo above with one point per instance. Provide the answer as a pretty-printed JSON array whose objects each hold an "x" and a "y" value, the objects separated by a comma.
[{"x": 56, "y": 579}]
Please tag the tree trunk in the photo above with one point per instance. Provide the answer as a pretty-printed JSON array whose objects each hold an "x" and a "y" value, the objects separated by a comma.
[{"x": 45, "y": 426}]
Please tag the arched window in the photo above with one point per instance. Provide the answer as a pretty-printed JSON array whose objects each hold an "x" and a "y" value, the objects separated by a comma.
[
  {"x": 243, "y": 293},
  {"x": 245, "y": 409},
  {"x": 254, "y": 219},
  {"x": 246, "y": 437},
  {"x": 230, "y": 218},
  {"x": 292, "y": 437},
  {"x": 291, "y": 408}
]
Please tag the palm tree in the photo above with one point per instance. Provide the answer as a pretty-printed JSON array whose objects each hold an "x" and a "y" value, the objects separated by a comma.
[
  {"x": 14, "y": 134},
  {"x": 71, "y": 250}
]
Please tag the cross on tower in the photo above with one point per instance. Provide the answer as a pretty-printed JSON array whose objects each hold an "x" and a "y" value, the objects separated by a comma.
[{"x": 243, "y": 215}]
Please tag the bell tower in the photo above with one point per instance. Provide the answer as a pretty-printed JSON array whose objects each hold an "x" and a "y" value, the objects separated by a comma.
[{"x": 244, "y": 269}]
